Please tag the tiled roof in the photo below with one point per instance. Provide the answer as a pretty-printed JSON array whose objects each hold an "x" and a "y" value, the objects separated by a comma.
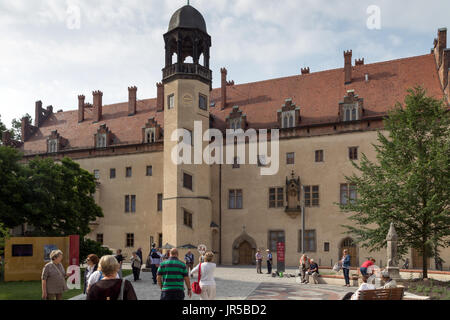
[{"x": 317, "y": 94}]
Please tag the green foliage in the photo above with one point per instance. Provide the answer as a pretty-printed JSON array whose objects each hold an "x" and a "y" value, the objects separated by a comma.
[
  {"x": 2, "y": 129},
  {"x": 88, "y": 246},
  {"x": 12, "y": 188},
  {"x": 419, "y": 289},
  {"x": 16, "y": 127},
  {"x": 409, "y": 184},
  {"x": 61, "y": 198},
  {"x": 56, "y": 199},
  {"x": 4, "y": 234}
]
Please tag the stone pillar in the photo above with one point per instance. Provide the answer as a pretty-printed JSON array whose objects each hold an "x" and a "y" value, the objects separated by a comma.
[{"x": 392, "y": 254}]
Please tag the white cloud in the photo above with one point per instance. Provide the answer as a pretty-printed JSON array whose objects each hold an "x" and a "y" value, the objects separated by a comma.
[{"x": 120, "y": 42}]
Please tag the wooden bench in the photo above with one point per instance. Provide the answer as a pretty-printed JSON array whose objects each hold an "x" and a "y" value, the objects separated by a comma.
[{"x": 382, "y": 294}]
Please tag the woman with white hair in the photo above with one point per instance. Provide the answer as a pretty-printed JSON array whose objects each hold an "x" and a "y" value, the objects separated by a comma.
[
  {"x": 206, "y": 277},
  {"x": 110, "y": 287},
  {"x": 54, "y": 277}
]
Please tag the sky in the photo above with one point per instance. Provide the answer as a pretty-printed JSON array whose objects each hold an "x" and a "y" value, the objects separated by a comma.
[{"x": 55, "y": 50}]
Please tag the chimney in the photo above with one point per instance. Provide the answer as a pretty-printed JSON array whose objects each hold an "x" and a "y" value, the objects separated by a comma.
[
  {"x": 440, "y": 44},
  {"x": 359, "y": 62},
  {"x": 348, "y": 66},
  {"x": 444, "y": 69},
  {"x": 132, "y": 99},
  {"x": 25, "y": 129},
  {"x": 38, "y": 113},
  {"x": 159, "y": 97},
  {"x": 98, "y": 105},
  {"x": 81, "y": 108},
  {"x": 224, "y": 72},
  {"x": 305, "y": 70}
]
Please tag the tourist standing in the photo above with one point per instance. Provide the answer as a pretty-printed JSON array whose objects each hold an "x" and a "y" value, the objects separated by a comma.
[
  {"x": 172, "y": 275},
  {"x": 54, "y": 277},
  {"x": 110, "y": 287},
  {"x": 119, "y": 258},
  {"x": 346, "y": 267},
  {"x": 313, "y": 271},
  {"x": 155, "y": 262},
  {"x": 97, "y": 276},
  {"x": 304, "y": 267},
  {"x": 189, "y": 260},
  {"x": 136, "y": 266},
  {"x": 139, "y": 254},
  {"x": 92, "y": 266},
  {"x": 207, "y": 282},
  {"x": 258, "y": 257},
  {"x": 365, "y": 265},
  {"x": 269, "y": 261}
]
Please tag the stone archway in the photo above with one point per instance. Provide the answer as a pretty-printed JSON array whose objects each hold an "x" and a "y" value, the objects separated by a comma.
[{"x": 243, "y": 247}]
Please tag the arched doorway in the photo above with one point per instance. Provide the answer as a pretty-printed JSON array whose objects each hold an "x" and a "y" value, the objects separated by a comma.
[
  {"x": 244, "y": 250},
  {"x": 350, "y": 245}
]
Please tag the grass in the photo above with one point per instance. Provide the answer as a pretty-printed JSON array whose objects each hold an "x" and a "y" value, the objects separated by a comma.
[
  {"x": 31, "y": 290},
  {"x": 435, "y": 289}
]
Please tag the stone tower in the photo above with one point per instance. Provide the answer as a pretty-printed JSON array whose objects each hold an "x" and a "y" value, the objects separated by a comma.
[{"x": 187, "y": 79}]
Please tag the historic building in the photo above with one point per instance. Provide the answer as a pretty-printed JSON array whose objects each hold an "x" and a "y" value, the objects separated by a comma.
[{"x": 326, "y": 119}]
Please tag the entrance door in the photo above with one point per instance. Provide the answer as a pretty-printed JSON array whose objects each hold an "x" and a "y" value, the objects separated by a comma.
[
  {"x": 245, "y": 254},
  {"x": 351, "y": 247}
]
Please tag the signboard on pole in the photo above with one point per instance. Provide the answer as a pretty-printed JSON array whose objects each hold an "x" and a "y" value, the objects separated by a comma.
[{"x": 281, "y": 249}]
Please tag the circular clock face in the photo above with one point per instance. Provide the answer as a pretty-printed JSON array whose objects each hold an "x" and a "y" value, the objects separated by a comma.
[{"x": 188, "y": 100}]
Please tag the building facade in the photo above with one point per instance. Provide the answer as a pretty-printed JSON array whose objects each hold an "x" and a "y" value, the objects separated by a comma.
[{"x": 326, "y": 120}]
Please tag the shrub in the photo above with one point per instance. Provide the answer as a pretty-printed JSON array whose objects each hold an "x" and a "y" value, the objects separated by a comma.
[
  {"x": 419, "y": 289},
  {"x": 88, "y": 246}
]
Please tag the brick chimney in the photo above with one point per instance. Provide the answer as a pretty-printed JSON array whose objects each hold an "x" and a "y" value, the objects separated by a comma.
[
  {"x": 159, "y": 97},
  {"x": 359, "y": 62},
  {"x": 38, "y": 113},
  {"x": 305, "y": 70},
  {"x": 440, "y": 44},
  {"x": 81, "y": 108},
  {"x": 223, "y": 91},
  {"x": 348, "y": 66},
  {"x": 25, "y": 129},
  {"x": 98, "y": 105},
  {"x": 132, "y": 100}
]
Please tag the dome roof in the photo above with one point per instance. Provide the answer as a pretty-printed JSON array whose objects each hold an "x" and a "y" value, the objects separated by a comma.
[{"x": 187, "y": 17}]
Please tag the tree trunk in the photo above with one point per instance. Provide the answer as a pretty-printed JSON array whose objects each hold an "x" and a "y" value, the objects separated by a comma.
[{"x": 424, "y": 262}]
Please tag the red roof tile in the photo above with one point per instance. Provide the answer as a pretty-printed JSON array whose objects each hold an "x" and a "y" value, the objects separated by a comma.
[{"x": 317, "y": 94}]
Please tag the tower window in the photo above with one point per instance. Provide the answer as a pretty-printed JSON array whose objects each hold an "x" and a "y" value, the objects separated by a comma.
[
  {"x": 203, "y": 102},
  {"x": 319, "y": 155},
  {"x": 112, "y": 173},
  {"x": 187, "y": 181},
  {"x": 128, "y": 172},
  {"x": 149, "y": 171},
  {"x": 353, "y": 153},
  {"x": 171, "y": 101},
  {"x": 187, "y": 219},
  {"x": 160, "y": 202}
]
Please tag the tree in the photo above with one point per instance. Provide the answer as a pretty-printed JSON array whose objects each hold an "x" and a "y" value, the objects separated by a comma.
[
  {"x": 2, "y": 129},
  {"x": 60, "y": 198},
  {"x": 88, "y": 246},
  {"x": 12, "y": 188},
  {"x": 16, "y": 127},
  {"x": 410, "y": 183}
]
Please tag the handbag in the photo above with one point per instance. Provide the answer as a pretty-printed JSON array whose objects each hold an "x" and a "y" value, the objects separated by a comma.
[
  {"x": 337, "y": 267},
  {"x": 196, "y": 285}
]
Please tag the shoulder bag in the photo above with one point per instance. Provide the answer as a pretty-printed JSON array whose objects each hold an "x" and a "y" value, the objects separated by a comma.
[{"x": 196, "y": 285}]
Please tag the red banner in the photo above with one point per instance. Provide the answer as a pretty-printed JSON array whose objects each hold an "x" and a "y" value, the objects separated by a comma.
[
  {"x": 74, "y": 250},
  {"x": 280, "y": 251}
]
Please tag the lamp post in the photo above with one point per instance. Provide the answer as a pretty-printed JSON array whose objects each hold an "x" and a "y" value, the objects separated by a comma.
[{"x": 303, "y": 219}]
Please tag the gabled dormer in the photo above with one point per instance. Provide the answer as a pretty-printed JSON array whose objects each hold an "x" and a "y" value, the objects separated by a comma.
[
  {"x": 352, "y": 108},
  {"x": 151, "y": 132},
  {"x": 289, "y": 115},
  {"x": 236, "y": 120},
  {"x": 103, "y": 137},
  {"x": 55, "y": 143}
]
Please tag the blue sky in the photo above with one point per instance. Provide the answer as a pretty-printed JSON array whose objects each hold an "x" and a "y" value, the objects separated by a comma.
[{"x": 47, "y": 54}]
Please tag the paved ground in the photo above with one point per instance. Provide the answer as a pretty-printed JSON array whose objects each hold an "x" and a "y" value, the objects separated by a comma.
[{"x": 241, "y": 283}]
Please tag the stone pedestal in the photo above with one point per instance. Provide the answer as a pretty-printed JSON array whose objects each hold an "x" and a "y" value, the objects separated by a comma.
[{"x": 392, "y": 256}]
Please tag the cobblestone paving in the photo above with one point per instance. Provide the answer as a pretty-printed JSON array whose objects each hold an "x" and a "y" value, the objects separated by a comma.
[{"x": 241, "y": 283}]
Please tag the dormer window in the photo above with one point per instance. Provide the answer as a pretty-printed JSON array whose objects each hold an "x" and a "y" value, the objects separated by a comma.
[
  {"x": 235, "y": 124},
  {"x": 150, "y": 135},
  {"x": 53, "y": 146},
  {"x": 236, "y": 120},
  {"x": 101, "y": 140},
  {"x": 289, "y": 115},
  {"x": 351, "y": 109}
]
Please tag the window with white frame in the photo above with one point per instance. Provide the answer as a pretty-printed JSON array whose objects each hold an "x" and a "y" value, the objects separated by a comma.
[
  {"x": 101, "y": 140},
  {"x": 150, "y": 136},
  {"x": 288, "y": 119},
  {"x": 52, "y": 146}
]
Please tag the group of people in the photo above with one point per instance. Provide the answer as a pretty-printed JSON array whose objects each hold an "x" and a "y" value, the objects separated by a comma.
[
  {"x": 308, "y": 267},
  {"x": 103, "y": 277},
  {"x": 259, "y": 258}
]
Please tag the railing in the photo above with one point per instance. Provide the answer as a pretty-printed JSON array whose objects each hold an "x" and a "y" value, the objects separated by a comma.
[{"x": 187, "y": 68}]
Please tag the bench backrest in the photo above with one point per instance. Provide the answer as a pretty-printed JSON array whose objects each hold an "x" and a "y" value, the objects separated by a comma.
[{"x": 382, "y": 294}]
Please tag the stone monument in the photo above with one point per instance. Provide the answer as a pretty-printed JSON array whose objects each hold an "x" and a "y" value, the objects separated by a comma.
[{"x": 392, "y": 255}]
